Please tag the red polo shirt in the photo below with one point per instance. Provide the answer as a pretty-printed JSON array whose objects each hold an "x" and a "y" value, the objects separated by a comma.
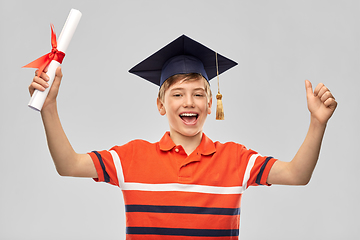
[{"x": 169, "y": 195}]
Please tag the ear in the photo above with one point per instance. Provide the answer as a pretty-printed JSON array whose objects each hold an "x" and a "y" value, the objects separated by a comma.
[
  {"x": 209, "y": 106},
  {"x": 161, "y": 107}
]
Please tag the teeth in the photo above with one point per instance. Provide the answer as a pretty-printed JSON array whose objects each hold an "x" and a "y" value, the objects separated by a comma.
[{"x": 188, "y": 115}]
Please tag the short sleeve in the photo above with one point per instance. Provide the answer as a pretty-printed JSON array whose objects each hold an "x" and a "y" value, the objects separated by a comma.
[
  {"x": 105, "y": 167},
  {"x": 112, "y": 165},
  {"x": 257, "y": 167}
]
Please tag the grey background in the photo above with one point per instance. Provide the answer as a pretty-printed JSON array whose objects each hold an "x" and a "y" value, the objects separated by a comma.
[{"x": 278, "y": 44}]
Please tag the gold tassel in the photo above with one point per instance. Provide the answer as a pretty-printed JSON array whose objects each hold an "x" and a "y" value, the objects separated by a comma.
[{"x": 219, "y": 107}]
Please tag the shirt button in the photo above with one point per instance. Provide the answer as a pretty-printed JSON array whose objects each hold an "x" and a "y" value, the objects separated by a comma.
[{"x": 176, "y": 150}]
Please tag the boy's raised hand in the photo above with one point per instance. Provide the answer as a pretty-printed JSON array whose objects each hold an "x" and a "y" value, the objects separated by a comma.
[
  {"x": 321, "y": 103},
  {"x": 41, "y": 83}
]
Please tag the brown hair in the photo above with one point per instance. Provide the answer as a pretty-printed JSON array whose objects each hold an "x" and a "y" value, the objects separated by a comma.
[{"x": 183, "y": 77}]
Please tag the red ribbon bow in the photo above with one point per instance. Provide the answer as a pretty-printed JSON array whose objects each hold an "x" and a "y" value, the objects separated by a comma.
[{"x": 45, "y": 60}]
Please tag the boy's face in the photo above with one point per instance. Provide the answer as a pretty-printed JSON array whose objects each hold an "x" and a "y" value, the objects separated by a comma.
[{"x": 186, "y": 106}]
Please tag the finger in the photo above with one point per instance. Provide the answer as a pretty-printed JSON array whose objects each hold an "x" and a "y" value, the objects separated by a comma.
[
  {"x": 40, "y": 81},
  {"x": 58, "y": 74},
  {"x": 326, "y": 96},
  {"x": 330, "y": 103},
  {"x": 308, "y": 87},
  {"x": 317, "y": 89},
  {"x": 31, "y": 89},
  {"x": 322, "y": 91},
  {"x": 43, "y": 75},
  {"x": 57, "y": 79},
  {"x": 35, "y": 86}
]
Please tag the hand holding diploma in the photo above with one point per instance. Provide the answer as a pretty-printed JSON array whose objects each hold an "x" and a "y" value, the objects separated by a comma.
[
  {"x": 51, "y": 61},
  {"x": 40, "y": 84}
]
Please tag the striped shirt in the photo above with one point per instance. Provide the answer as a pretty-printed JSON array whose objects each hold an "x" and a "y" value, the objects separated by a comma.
[{"x": 170, "y": 195}]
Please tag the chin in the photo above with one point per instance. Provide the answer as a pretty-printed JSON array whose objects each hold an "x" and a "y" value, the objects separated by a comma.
[{"x": 190, "y": 133}]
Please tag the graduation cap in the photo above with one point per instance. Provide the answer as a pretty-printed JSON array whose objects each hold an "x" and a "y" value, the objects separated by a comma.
[{"x": 181, "y": 56}]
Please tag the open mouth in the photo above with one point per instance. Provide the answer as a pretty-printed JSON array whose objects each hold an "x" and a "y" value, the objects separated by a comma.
[{"x": 189, "y": 118}]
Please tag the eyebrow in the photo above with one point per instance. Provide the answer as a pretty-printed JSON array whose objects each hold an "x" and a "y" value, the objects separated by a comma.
[{"x": 179, "y": 88}]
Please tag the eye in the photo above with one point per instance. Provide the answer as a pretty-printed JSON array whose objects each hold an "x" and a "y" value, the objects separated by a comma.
[{"x": 177, "y": 95}]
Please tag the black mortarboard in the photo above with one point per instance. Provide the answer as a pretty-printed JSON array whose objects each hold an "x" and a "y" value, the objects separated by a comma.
[{"x": 183, "y": 55}]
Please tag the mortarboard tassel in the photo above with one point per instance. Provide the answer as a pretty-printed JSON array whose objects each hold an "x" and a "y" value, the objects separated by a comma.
[{"x": 219, "y": 107}]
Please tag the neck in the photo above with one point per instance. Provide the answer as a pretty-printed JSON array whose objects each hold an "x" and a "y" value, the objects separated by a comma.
[{"x": 189, "y": 143}]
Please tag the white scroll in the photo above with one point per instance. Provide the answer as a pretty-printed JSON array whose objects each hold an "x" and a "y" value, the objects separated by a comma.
[{"x": 38, "y": 98}]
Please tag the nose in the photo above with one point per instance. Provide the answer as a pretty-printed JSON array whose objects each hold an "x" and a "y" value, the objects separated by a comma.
[{"x": 188, "y": 101}]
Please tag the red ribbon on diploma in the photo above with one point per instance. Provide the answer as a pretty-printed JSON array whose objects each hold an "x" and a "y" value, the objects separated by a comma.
[{"x": 45, "y": 60}]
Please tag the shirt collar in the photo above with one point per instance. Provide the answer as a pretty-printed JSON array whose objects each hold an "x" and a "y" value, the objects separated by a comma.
[
  {"x": 206, "y": 146},
  {"x": 166, "y": 143}
]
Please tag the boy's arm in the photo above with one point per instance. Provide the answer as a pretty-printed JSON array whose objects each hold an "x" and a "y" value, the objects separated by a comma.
[
  {"x": 66, "y": 160},
  {"x": 321, "y": 105}
]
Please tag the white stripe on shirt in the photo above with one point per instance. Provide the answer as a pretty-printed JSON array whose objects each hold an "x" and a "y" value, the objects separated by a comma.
[
  {"x": 248, "y": 169},
  {"x": 168, "y": 187},
  {"x": 119, "y": 171}
]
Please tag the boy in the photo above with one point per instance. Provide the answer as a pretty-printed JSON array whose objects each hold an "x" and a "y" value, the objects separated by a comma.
[{"x": 185, "y": 185}]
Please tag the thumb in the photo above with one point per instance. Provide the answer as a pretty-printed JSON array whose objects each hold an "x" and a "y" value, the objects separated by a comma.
[
  {"x": 58, "y": 74},
  {"x": 308, "y": 87},
  {"x": 57, "y": 79}
]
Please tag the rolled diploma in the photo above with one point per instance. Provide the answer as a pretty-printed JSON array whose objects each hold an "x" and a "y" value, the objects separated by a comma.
[{"x": 38, "y": 98}]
